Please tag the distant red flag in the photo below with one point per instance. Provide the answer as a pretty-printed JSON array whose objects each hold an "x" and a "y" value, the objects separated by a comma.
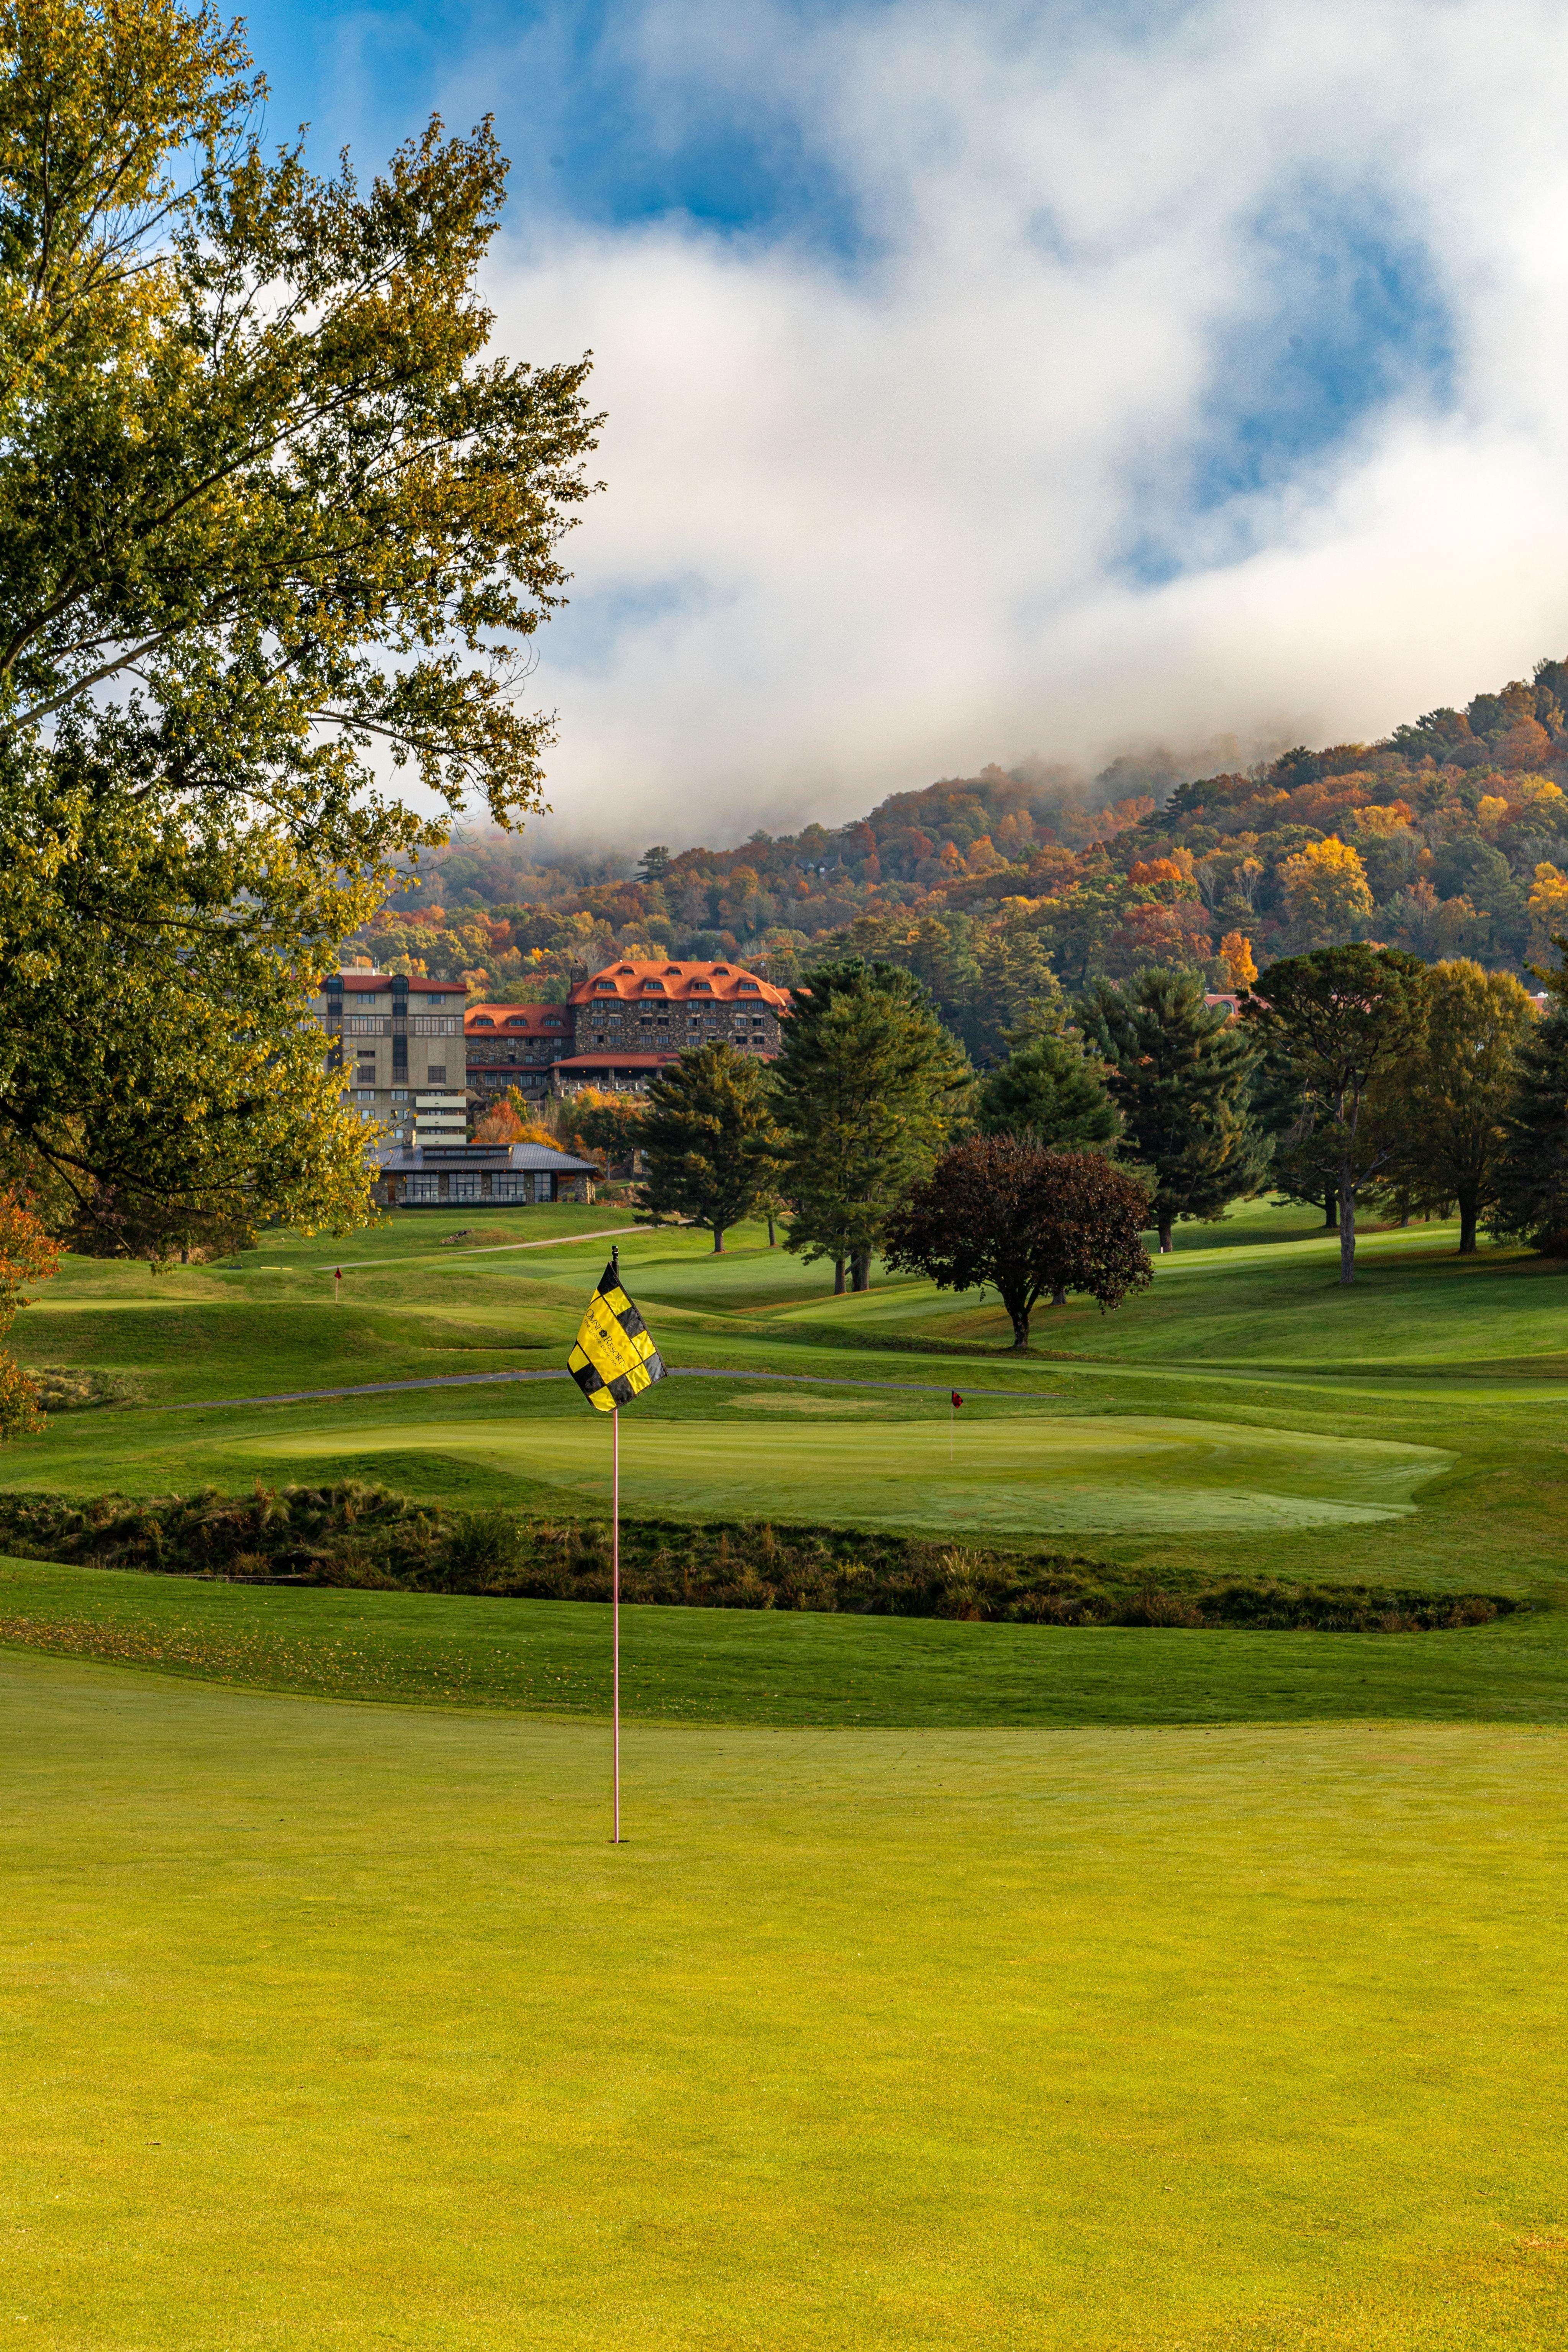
[{"x": 956, "y": 1397}]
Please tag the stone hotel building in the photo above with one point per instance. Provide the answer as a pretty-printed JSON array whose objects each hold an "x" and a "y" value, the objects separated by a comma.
[{"x": 620, "y": 1026}]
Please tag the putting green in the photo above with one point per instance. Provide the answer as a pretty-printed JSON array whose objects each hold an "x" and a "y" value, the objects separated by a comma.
[
  {"x": 344, "y": 2027},
  {"x": 1021, "y": 1474}
]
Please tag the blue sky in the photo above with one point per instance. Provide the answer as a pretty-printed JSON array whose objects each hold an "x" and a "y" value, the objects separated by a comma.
[{"x": 987, "y": 380}]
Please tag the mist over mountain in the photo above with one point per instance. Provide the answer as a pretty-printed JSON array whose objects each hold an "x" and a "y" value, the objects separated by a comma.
[{"x": 1447, "y": 838}]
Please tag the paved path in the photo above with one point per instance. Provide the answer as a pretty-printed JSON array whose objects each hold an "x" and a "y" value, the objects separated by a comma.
[
  {"x": 490, "y": 1249},
  {"x": 488, "y": 1380}
]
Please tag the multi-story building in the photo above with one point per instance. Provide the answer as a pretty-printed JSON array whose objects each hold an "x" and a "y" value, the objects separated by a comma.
[
  {"x": 631, "y": 1018},
  {"x": 399, "y": 1046},
  {"x": 514, "y": 1045}
]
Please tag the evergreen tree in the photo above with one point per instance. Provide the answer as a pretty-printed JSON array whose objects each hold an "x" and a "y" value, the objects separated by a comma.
[
  {"x": 867, "y": 1088},
  {"x": 1180, "y": 1075},
  {"x": 708, "y": 1138},
  {"x": 1333, "y": 1023},
  {"x": 1531, "y": 1191},
  {"x": 1443, "y": 1109},
  {"x": 1049, "y": 1093}
]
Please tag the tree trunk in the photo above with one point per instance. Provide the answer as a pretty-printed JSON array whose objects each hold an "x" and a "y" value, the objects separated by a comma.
[
  {"x": 1347, "y": 1228},
  {"x": 860, "y": 1270},
  {"x": 838, "y": 1277},
  {"x": 1020, "y": 1316},
  {"x": 772, "y": 1239},
  {"x": 1467, "y": 1212},
  {"x": 1331, "y": 1209},
  {"x": 719, "y": 1240},
  {"x": 1166, "y": 1244},
  {"x": 1059, "y": 1295}
]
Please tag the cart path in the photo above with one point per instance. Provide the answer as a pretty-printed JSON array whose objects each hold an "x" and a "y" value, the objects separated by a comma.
[{"x": 490, "y": 1380}]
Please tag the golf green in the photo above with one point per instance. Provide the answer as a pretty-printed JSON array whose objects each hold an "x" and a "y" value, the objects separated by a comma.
[
  {"x": 1031, "y": 1474},
  {"x": 344, "y": 2025}
]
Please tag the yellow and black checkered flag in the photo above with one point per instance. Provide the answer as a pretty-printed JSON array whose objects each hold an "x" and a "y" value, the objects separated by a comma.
[{"x": 614, "y": 1360}]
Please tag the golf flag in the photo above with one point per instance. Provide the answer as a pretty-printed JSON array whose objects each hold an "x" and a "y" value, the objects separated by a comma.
[
  {"x": 614, "y": 1360},
  {"x": 957, "y": 1399}
]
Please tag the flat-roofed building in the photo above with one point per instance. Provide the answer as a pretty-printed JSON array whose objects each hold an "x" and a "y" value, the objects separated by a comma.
[
  {"x": 398, "y": 1043},
  {"x": 488, "y": 1175},
  {"x": 632, "y": 1018}
]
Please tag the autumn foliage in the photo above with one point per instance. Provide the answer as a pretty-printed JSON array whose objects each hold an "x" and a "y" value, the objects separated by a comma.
[
  {"x": 1029, "y": 1222},
  {"x": 27, "y": 1255}
]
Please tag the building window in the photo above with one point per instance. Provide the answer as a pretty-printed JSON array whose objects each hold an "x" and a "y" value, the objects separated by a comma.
[
  {"x": 424, "y": 1188},
  {"x": 436, "y": 1075},
  {"x": 423, "y": 1025},
  {"x": 359, "y": 1026},
  {"x": 364, "y": 1094},
  {"x": 400, "y": 1094}
]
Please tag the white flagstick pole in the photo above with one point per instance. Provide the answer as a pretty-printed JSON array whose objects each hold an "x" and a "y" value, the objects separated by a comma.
[
  {"x": 616, "y": 1611},
  {"x": 952, "y": 1422}
]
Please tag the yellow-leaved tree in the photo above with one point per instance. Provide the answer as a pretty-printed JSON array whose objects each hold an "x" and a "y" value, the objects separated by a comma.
[
  {"x": 269, "y": 504},
  {"x": 1326, "y": 893}
]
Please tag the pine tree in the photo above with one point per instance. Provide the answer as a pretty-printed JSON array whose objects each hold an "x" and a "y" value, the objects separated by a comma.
[
  {"x": 1179, "y": 1075},
  {"x": 1531, "y": 1203},
  {"x": 708, "y": 1139},
  {"x": 1048, "y": 1093},
  {"x": 867, "y": 1088}
]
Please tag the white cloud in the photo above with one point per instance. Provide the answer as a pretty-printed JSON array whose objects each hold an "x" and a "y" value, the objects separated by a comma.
[{"x": 872, "y": 520}]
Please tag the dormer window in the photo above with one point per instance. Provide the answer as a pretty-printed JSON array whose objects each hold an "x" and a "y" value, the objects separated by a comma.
[
  {"x": 750, "y": 988},
  {"x": 605, "y": 988},
  {"x": 483, "y": 1021},
  {"x": 701, "y": 988},
  {"x": 624, "y": 972},
  {"x": 653, "y": 987},
  {"x": 721, "y": 971},
  {"x": 517, "y": 1020},
  {"x": 672, "y": 971}
]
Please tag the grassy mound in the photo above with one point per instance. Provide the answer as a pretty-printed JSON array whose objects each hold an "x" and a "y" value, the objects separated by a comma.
[{"x": 362, "y": 1536}]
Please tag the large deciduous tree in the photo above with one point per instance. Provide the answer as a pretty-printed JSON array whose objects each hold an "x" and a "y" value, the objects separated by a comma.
[
  {"x": 866, "y": 1087},
  {"x": 1332, "y": 1024},
  {"x": 1179, "y": 1073},
  {"x": 1031, "y": 1222},
  {"x": 1444, "y": 1107},
  {"x": 273, "y": 524},
  {"x": 708, "y": 1139}
]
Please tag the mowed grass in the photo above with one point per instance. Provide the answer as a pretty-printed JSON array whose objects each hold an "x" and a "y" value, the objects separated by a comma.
[
  {"x": 345, "y": 2026},
  {"x": 1134, "y": 1990},
  {"x": 722, "y": 1665}
]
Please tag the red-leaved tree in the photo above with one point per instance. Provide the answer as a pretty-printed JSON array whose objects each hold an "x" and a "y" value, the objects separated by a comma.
[
  {"x": 1031, "y": 1222},
  {"x": 27, "y": 1255}
]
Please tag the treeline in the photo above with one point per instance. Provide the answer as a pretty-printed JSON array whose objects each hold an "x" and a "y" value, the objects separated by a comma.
[
  {"x": 1448, "y": 839},
  {"x": 1355, "y": 1076}
]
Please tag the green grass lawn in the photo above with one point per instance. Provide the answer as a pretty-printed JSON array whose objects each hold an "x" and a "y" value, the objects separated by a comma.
[
  {"x": 331, "y": 2025},
  {"x": 1114, "y": 1990}
]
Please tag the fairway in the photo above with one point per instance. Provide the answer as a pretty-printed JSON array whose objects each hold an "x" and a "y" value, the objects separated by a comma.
[
  {"x": 344, "y": 2025},
  {"x": 1031, "y": 1472}
]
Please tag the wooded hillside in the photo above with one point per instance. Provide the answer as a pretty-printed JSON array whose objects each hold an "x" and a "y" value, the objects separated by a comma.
[{"x": 1448, "y": 838}]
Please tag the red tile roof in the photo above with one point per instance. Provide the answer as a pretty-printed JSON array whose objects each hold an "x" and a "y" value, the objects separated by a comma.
[
  {"x": 708, "y": 982},
  {"x": 612, "y": 1059},
  {"x": 535, "y": 1019}
]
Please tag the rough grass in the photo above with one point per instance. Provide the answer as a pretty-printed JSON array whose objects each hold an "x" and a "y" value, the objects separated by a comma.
[{"x": 364, "y": 1537}]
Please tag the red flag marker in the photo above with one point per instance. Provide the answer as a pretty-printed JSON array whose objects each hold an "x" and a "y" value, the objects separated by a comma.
[
  {"x": 952, "y": 1422},
  {"x": 337, "y": 1285}
]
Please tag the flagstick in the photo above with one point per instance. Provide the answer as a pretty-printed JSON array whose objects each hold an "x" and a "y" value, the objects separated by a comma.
[
  {"x": 951, "y": 1424},
  {"x": 615, "y": 1613}
]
